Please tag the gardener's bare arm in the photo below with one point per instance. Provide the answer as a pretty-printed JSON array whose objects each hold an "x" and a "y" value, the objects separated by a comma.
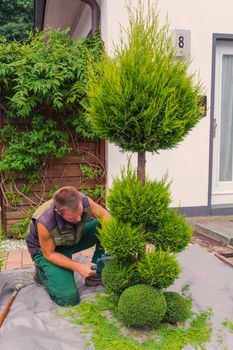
[
  {"x": 96, "y": 211},
  {"x": 48, "y": 250}
]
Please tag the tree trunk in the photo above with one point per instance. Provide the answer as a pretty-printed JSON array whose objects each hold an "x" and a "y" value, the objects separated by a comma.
[
  {"x": 141, "y": 170},
  {"x": 141, "y": 173}
]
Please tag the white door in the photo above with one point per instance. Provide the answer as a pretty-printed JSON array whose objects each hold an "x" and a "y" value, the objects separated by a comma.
[{"x": 222, "y": 190}]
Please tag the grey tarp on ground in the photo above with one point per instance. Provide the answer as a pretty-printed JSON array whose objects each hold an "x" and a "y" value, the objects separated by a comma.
[{"x": 32, "y": 324}]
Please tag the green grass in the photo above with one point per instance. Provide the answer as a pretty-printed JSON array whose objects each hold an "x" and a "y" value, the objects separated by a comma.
[{"x": 108, "y": 333}]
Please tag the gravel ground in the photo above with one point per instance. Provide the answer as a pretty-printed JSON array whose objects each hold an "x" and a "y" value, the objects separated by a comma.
[{"x": 14, "y": 244}]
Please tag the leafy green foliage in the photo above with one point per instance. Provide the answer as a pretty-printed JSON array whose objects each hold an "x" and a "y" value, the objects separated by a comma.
[
  {"x": 92, "y": 315},
  {"x": 97, "y": 192},
  {"x": 13, "y": 197},
  {"x": 52, "y": 191},
  {"x": 159, "y": 269},
  {"x": 43, "y": 82},
  {"x": 47, "y": 73},
  {"x": 130, "y": 201},
  {"x": 173, "y": 232},
  {"x": 118, "y": 275},
  {"x": 141, "y": 305},
  {"x": 89, "y": 172},
  {"x": 143, "y": 98},
  {"x": 178, "y": 308},
  {"x": 16, "y": 18},
  {"x": 21, "y": 228},
  {"x": 121, "y": 240},
  {"x": 29, "y": 150}
]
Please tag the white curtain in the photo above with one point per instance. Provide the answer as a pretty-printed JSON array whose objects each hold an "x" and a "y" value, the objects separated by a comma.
[{"x": 226, "y": 125}]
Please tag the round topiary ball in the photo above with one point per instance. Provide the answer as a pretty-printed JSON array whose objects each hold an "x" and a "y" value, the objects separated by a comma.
[
  {"x": 141, "y": 306},
  {"x": 178, "y": 308},
  {"x": 117, "y": 276}
]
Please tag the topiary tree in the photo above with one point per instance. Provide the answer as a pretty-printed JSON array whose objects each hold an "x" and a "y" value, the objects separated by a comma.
[
  {"x": 143, "y": 99},
  {"x": 140, "y": 213}
]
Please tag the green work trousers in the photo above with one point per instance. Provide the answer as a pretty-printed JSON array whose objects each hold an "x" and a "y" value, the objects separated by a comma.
[{"x": 58, "y": 281}]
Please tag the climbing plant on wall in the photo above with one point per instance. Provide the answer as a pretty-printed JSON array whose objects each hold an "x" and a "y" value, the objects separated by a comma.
[
  {"x": 43, "y": 84},
  {"x": 16, "y": 18}
]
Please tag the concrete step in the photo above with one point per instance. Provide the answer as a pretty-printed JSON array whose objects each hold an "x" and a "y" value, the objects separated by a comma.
[{"x": 218, "y": 228}]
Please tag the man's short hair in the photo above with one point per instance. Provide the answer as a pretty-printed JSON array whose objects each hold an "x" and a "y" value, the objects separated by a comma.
[{"x": 67, "y": 198}]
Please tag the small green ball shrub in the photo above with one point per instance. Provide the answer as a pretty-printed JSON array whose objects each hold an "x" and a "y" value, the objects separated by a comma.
[
  {"x": 141, "y": 306},
  {"x": 178, "y": 308},
  {"x": 159, "y": 269},
  {"x": 131, "y": 201},
  {"x": 121, "y": 240},
  {"x": 118, "y": 275},
  {"x": 173, "y": 232}
]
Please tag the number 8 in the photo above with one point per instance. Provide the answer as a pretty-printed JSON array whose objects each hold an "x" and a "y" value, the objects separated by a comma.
[{"x": 181, "y": 41}]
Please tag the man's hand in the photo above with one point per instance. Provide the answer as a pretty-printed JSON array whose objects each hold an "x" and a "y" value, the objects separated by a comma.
[{"x": 85, "y": 269}]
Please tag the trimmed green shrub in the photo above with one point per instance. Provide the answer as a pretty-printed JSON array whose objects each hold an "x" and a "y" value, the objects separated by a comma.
[
  {"x": 143, "y": 98},
  {"x": 173, "y": 233},
  {"x": 178, "y": 308},
  {"x": 121, "y": 240},
  {"x": 119, "y": 275},
  {"x": 141, "y": 306},
  {"x": 130, "y": 201},
  {"x": 159, "y": 269}
]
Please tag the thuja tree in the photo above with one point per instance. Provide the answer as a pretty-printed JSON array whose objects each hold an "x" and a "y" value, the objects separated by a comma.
[{"x": 143, "y": 99}]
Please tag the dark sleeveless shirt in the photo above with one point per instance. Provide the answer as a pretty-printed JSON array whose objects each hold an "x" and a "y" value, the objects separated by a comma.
[{"x": 64, "y": 233}]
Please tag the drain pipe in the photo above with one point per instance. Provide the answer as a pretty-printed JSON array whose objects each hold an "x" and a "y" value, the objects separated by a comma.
[{"x": 95, "y": 15}]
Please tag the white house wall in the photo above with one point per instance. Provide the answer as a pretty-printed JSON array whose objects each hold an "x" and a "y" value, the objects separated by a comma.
[{"x": 188, "y": 164}]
